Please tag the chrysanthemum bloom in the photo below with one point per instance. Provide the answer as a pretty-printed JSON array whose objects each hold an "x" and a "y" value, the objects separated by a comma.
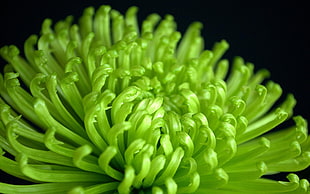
[{"x": 105, "y": 106}]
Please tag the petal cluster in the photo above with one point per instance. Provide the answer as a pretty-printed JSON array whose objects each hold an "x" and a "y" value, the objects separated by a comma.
[{"x": 106, "y": 106}]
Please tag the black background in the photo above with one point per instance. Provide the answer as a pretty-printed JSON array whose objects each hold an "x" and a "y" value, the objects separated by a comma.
[{"x": 272, "y": 35}]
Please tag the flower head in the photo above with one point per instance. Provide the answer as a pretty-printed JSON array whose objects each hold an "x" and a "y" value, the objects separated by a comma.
[{"x": 106, "y": 106}]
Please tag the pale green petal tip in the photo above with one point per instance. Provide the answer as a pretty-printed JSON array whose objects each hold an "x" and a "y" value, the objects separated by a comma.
[{"x": 106, "y": 106}]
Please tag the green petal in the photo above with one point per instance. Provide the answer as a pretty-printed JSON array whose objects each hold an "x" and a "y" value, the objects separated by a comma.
[
  {"x": 68, "y": 176},
  {"x": 44, "y": 188}
]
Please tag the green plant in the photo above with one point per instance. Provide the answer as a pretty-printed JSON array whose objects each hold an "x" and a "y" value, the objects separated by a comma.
[{"x": 106, "y": 106}]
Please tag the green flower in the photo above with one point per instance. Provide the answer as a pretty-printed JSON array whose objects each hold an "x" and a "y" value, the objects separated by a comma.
[{"x": 105, "y": 106}]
